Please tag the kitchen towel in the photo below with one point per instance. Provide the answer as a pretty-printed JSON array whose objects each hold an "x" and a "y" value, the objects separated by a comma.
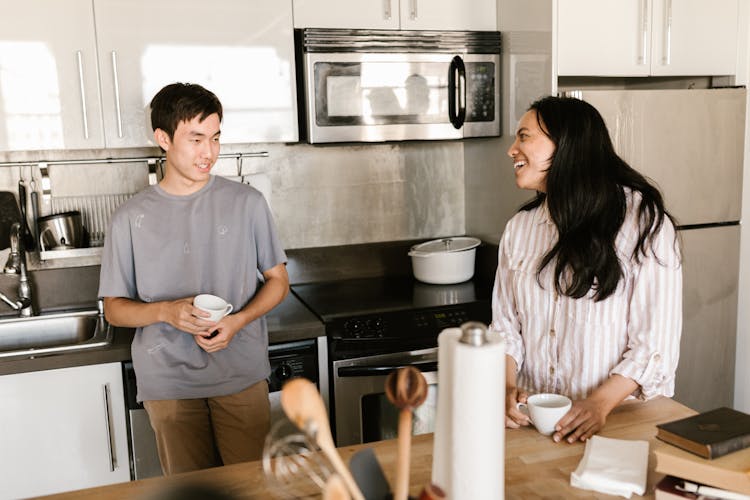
[
  {"x": 612, "y": 466},
  {"x": 469, "y": 444}
]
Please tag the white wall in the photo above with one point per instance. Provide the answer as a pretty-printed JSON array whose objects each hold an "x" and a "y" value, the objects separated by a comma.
[{"x": 742, "y": 365}]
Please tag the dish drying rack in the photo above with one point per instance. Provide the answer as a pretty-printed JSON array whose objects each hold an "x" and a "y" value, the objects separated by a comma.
[{"x": 96, "y": 210}]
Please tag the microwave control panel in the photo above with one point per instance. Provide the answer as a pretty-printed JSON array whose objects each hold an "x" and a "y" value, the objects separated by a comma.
[{"x": 480, "y": 91}]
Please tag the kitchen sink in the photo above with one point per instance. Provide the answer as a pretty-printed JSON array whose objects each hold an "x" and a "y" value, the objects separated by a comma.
[{"x": 53, "y": 334}]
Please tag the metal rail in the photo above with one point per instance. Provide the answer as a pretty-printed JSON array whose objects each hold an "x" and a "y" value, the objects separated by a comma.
[{"x": 147, "y": 159}]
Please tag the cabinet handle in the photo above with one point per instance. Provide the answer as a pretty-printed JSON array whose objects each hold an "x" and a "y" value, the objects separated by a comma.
[
  {"x": 117, "y": 94},
  {"x": 387, "y": 9},
  {"x": 644, "y": 33},
  {"x": 79, "y": 58},
  {"x": 667, "y": 57},
  {"x": 108, "y": 417},
  {"x": 414, "y": 13}
]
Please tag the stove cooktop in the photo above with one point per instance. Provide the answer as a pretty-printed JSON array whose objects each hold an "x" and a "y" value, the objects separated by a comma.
[{"x": 356, "y": 297}]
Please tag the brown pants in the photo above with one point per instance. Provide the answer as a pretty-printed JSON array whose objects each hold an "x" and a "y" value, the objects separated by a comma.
[{"x": 194, "y": 434}]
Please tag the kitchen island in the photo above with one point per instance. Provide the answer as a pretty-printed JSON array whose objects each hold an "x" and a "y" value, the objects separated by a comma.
[{"x": 535, "y": 466}]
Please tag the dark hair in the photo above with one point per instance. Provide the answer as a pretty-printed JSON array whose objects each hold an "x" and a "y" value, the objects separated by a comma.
[
  {"x": 178, "y": 102},
  {"x": 586, "y": 199}
]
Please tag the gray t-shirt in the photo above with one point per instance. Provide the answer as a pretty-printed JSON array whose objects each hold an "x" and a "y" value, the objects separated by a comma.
[{"x": 166, "y": 247}]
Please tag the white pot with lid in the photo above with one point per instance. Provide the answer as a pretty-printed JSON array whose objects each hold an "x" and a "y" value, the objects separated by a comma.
[{"x": 445, "y": 260}]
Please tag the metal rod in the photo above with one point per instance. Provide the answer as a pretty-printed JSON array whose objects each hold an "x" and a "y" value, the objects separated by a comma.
[{"x": 259, "y": 154}]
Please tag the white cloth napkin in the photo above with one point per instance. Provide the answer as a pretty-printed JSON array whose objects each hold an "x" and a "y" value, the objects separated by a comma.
[{"x": 612, "y": 466}]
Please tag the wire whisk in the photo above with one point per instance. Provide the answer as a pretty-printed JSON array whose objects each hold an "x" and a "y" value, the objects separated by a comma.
[{"x": 293, "y": 464}]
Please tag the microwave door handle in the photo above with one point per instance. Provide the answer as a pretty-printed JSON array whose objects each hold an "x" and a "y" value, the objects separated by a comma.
[
  {"x": 364, "y": 371},
  {"x": 457, "y": 92}
]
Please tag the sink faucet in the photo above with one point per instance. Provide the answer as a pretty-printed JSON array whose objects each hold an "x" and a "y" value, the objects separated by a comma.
[{"x": 17, "y": 265}]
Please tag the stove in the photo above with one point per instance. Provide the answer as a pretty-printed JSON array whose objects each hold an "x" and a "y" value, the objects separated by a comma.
[
  {"x": 376, "y": 325},
  {"x": 372, "y": 316}
]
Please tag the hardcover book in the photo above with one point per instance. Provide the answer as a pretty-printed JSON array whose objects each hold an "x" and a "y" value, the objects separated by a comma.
[
  {"x": 730, "y": 472},
  {"x": 667, "y": 489},
  {"x": 710, "y": 434}
]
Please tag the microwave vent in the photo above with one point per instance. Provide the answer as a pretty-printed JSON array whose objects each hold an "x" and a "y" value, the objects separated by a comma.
[{"x": 345, "y": 40}]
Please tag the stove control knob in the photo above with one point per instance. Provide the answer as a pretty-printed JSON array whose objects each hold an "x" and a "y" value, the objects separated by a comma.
[
  {"x": 375, "y": 324},
  {"x": 354, "y": 328},
  {"x": 284, "y": 372}
]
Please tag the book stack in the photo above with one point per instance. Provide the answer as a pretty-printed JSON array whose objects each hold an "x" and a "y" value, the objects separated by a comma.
[{"x": 708, "y": 453}]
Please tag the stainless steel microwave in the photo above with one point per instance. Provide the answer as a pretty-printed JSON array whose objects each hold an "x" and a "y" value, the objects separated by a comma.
[{"x": 389, "y": 85}]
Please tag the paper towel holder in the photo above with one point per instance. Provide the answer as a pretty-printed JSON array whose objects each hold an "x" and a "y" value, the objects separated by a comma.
[{"x": 473, "y": 333}]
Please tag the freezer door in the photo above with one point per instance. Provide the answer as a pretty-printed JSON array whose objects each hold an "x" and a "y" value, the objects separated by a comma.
[
  {"x": 690, "y": 142},
  {"x": 705, "y": 375}
]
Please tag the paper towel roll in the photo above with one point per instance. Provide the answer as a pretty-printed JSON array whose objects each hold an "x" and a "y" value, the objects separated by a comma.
[{"x": 469, "y": 449}]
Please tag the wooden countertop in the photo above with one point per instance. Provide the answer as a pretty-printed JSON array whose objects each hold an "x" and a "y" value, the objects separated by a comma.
[{"x": 535, "y": 466}]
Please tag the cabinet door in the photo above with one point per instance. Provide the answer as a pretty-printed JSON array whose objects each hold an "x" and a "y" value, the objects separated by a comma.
[
  {"x": 603, "y": 37},
  {"x": 346, "y": 14},
  {"x": 477, "y": 15},
  {"x": 242, "y": 51},
  {"x": 62, "y": 430},
  {"x": 49, "y": 96},
  {"x": 694, "y": 37}
]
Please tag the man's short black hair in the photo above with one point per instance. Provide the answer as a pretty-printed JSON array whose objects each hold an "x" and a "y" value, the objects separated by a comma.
[{"x": 178, "y": 102}]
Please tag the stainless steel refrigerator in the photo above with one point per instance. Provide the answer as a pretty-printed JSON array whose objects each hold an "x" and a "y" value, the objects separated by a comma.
[{"x": 690, "y": 142}]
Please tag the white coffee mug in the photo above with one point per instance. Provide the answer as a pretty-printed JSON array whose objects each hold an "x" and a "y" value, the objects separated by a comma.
[
  {"x": 215, "y": 306},
  {"x": 545, "y": 410}
]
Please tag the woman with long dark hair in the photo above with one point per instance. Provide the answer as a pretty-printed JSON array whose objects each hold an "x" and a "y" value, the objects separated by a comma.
[{"x": 588, "y": 291}]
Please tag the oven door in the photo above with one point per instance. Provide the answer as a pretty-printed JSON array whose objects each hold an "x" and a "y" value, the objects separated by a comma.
[{"x": 363, "y": 412}]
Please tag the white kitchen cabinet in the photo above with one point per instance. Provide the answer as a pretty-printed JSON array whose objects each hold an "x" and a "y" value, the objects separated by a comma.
[
  {"x": 242, "y": 51},
  {"x": 56, "y": 56},
  {"x": 479, "y": 15},
  {"x": 646, "y": 37},
  {"x": 49, "y": 97},
  {"x": 62, "y": 430}
]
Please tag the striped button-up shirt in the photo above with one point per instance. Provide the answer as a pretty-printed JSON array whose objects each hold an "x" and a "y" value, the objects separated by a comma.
[{"x": 571, "y": 346}]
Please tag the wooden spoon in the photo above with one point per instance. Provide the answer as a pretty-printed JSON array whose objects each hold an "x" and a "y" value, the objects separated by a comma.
[
  {"x": 303, "y": 405},
  {"x": 406, "y": 388}
]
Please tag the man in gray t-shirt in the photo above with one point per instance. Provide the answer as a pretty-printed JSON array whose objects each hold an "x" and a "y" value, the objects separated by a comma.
[{"x": 202, "y": 383}]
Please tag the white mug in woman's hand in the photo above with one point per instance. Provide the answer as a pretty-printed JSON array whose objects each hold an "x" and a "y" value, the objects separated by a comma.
[{"x": 545, "y": 410}]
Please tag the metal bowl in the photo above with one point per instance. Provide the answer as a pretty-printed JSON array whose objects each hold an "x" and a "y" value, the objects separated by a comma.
[{"x": 61, "y": 231}]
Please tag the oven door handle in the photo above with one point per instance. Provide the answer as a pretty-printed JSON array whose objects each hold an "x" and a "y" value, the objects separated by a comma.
[{"x": 363, "y": 371}]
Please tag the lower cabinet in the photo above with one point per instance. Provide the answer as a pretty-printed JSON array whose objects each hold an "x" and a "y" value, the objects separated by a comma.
[{"x": 62, "y": 430}]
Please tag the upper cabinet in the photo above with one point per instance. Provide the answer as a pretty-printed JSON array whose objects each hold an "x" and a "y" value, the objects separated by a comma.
[
  {"x": 242, "y": 51},
  {"x": 51, "y": 72},
  {"x": 396, "y": 14},
  {"x": 49, "y": 91},
  {"x": 646, "y": 37}
]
